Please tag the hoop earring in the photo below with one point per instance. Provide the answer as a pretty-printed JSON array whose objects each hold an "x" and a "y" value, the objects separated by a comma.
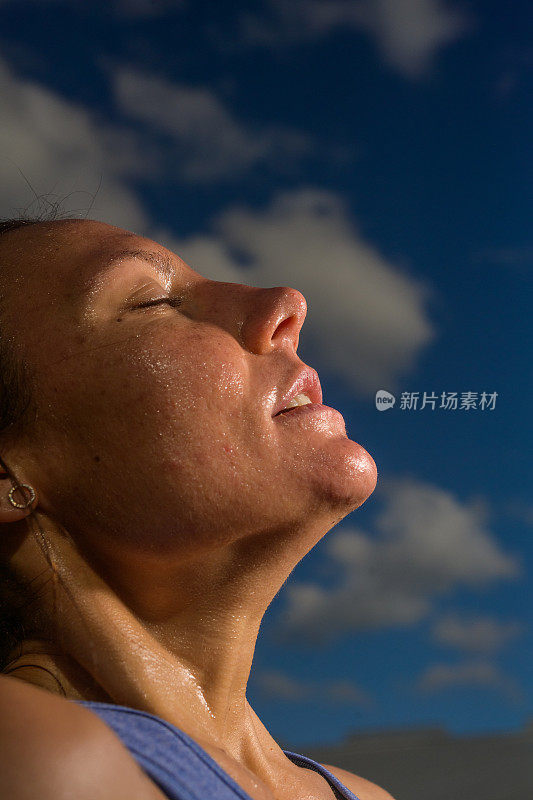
[{"x": 28, "y": 502}]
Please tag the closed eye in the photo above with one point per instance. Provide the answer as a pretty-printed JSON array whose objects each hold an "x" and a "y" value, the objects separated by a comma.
[{"x": 171, "y": 301}]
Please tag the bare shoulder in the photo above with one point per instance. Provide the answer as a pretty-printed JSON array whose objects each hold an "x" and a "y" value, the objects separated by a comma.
[
  {"x": 365, "y": 790},
  {"x": 51, "y": 748}
]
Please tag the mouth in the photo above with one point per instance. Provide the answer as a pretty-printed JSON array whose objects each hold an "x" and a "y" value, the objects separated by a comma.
[
  {"x": 305, "y": 390},
  {"x": 298, "y": 401}
]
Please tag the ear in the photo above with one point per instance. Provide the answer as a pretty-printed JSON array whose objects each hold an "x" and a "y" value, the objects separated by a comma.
[{"x": 8, "y": 512}]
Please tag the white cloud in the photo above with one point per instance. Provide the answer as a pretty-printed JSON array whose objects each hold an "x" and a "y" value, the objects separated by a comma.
[
  {"x": 408, "y": 33},
  {"x": 468, "y": 674},
  {"x": 367, "y": 319},
  {"x": 480, "y": 634},
  {"x": 209, "y": 143},
  {"x": 427, "y": 542},
  {"x": 61, "y": 148},
  {"x": 280, "y": 686},
  {"x": 440, "y": 537}
]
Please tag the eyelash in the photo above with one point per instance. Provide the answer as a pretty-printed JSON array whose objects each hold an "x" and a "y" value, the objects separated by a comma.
[{"x": 174, "y": 302}]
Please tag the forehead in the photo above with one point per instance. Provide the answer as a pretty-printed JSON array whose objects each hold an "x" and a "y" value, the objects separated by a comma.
[{"x": 66, "y": 256}]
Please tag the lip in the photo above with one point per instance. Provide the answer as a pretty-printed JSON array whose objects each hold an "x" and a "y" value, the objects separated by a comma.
[
  {"x": 309, "y": 408},
  {"x": 306, "y": 382}
]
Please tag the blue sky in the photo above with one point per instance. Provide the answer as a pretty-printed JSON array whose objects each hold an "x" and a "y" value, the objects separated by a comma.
[{"x": 373, "y": 154}]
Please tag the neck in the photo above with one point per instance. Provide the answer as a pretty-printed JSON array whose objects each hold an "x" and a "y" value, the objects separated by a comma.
[{"x": 176, "y": 641}]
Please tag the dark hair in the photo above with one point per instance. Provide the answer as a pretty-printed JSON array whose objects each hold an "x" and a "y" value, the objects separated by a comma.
[
  {"x": 20, "y": 618},
  {"x": 15, "y": 381},
  {"x": 15, "y": 399},
  {"x": 16, "y": 403}
]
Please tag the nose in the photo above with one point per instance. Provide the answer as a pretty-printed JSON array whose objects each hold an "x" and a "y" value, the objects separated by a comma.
[
  {"x": 274, "y": 319},
  {"x": 260, "y": 319}
]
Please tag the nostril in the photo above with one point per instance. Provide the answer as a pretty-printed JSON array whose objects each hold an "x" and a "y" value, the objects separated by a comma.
[
  {"x": 295, "y": 308},
  {"x": 285, "y": 327}
]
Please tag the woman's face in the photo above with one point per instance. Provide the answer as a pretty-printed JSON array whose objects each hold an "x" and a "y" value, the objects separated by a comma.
[{"x": 155, "y": 426}]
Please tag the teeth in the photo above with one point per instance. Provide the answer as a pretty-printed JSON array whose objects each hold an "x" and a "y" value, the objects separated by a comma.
[{"x": 298, "y": 400}]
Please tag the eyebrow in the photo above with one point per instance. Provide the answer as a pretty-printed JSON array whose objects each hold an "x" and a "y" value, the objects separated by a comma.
[{"x": 162, "y": 262}]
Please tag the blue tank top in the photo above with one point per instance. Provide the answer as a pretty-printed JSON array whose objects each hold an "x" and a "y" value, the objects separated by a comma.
[{"x": 177, "y": 764}]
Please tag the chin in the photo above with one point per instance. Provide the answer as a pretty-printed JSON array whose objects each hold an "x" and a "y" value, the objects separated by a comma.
[{"x": 347, "y": 484}]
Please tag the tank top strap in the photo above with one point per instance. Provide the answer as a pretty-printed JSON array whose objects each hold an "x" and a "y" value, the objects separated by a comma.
[{"x": 177, "y": 764}]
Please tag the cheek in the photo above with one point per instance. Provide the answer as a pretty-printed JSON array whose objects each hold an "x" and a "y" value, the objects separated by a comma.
[
  {"x": 164, "y": 388},
  {"x": 191, "y": 388}
]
